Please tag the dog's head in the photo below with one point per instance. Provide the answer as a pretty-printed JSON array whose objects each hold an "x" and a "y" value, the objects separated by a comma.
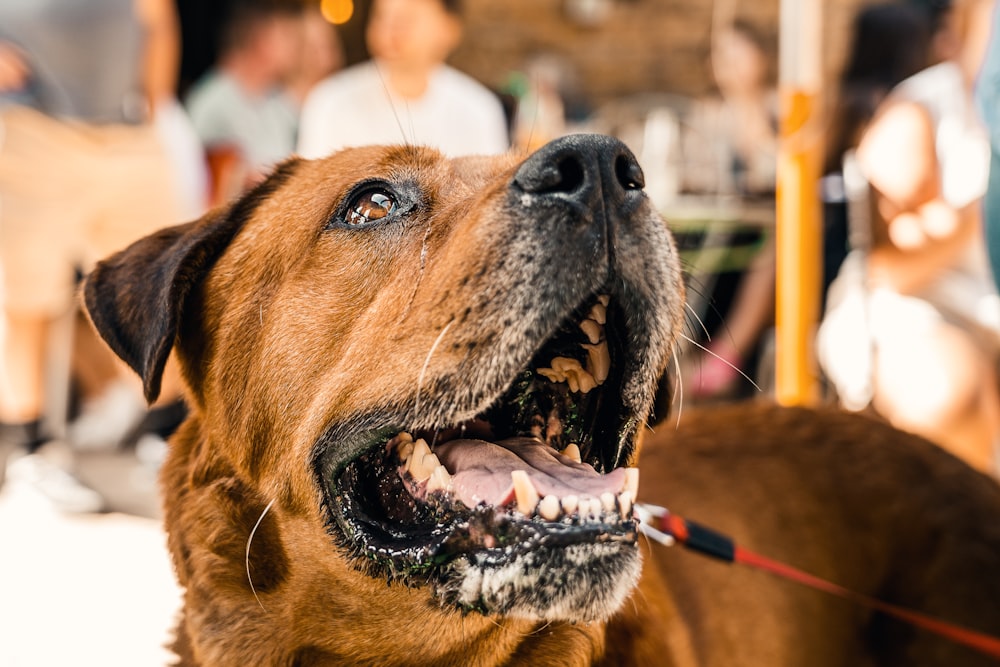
[{"x": 446, "y": 362}]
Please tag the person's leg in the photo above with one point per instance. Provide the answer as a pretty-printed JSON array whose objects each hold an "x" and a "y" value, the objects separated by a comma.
[
  {"x": 20, "y": 366},
  {"x": 41, "y": 211},
  {"x": 41, "y": 207},
  {"x": 22, "y": 360}
]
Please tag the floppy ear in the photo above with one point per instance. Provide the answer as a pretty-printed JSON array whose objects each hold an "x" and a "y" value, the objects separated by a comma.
[{"x": 135, "y": 298}]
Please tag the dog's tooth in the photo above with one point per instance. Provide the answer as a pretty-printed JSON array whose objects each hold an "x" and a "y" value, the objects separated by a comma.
[
  {"x": 585, "y": 382},
  {"x": 604, "y": 300},
  {"x": 599, "y": 359},
  {"x": 625, "y": 501},
  {"x": 552, "y": 375},
  {"x": 572, "y": 451},
  {"x": 440, "y": 479},
  {"x": 608, "y": 501},
  {"x": 570, "y": 504},
  {"x": 402, "y": 444},
  {"x": 632, "y": 482},
  {"x": 430, "y": 463},
  {"x": 405, "y": 451},
  {"x": 549, "y": 508},
  {"x": 524, "y": 492},
  {"x": 592, "y": 330},
  {"x": 593, "y": 506},
  {"x": 599, "y": 313},
  {"x": 420, "y": 447},
  {"x": 579, "y": 380},
  {"x": 566, "y": 365},
  {"x": 419, "y": 464}
]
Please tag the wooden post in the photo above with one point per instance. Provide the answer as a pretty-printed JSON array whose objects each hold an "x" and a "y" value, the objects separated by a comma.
[{"x": 799, "y": 224}]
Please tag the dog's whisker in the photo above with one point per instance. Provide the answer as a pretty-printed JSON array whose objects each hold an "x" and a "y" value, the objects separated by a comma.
[
  {"x": 699, "y": 321},
  {"x": 249, "y": 542},
  {"x": 708, "y": 351},
  {"x": 679, "y": 391},
  {"x": 409, "y": 116},
  {"x": 392, "y": 105},
  {"x": 427, "y": 363},
  {"x": 541, "y": 628}
]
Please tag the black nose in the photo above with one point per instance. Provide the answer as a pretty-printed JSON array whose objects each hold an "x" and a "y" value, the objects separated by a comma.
[{"x": 586, "y": 169}]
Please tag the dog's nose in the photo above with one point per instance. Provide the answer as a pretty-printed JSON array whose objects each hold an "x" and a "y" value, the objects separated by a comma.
[{"x": 582, "y": 168}]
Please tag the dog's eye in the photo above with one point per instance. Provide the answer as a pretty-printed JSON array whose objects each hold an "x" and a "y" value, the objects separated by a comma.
[{"x": 370, "y": 206}]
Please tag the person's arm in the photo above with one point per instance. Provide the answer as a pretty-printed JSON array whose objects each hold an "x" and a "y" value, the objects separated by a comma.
[
  {"x": 920, "y": 234},
  {"x": 753, "y": 307},
  {"x": 161, "y": 57},
  {"x": 14, "y": 71}
]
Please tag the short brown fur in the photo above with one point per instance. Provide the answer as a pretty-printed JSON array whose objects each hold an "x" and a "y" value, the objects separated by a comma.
[{"x": 282, "y": 328}]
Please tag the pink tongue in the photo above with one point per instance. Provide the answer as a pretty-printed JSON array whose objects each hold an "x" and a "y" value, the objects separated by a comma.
[{"x": 481, "y": 471}]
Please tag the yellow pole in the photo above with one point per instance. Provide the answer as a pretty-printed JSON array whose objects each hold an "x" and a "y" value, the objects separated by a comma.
[{"x": 799, "y": 226}]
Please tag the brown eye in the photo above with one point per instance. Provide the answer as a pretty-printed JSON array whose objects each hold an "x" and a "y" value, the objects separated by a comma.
[{"x": 370, "y": 207}]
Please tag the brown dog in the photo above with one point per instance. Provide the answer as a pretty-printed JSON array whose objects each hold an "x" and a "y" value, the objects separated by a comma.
[{"x": 396, "y": 363}]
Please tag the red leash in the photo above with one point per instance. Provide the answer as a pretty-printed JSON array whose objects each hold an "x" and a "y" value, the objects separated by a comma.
[{"x": 659, "y": 524}]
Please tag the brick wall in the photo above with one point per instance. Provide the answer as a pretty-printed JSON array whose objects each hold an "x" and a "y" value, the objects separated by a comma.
[{"x": 644, "y": 45}]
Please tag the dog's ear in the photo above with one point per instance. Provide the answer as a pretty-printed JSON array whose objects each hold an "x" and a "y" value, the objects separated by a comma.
[{"x": 135, "y": 298}]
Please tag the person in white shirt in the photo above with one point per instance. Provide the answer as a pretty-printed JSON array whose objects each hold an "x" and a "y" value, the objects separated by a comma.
[
  {"x": 405, "y": 94},
  {"x": 913, "y": 321}
]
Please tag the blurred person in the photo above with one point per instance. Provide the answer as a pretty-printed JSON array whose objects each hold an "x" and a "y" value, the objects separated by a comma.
[
  {"x": 988, "y": 99},
  {"x": 83, "y": 172},
  {"x": 321, "y": 55},
  {"x": 541, "y": 114},
  {"x": 738, "y": 134},
  {"x": 932, "y": 333},
  {"x": 889, "y": 42},
  {"x": 242, "y": 104},
  {"x": 732, "y": 140},
  {"x": 405, "y": 94}
]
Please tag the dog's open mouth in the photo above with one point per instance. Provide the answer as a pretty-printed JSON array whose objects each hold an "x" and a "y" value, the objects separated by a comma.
[{"x": 535, "y": 470}]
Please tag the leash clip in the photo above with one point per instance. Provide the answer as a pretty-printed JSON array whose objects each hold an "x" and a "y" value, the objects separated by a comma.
[{"x": 651, "y": 516}]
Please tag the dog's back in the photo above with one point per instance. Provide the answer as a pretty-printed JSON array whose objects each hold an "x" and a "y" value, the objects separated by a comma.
[{"x": 841, "y": 496}]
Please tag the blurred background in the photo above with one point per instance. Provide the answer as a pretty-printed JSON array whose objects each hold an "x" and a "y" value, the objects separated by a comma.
[{"x": 760, "y": 126}]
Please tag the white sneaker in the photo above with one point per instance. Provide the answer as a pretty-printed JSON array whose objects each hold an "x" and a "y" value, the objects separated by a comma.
[{"x": 57, "y": 485}]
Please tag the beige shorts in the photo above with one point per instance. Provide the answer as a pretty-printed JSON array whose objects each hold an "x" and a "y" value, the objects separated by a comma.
[{"x": 71, "y": 194}]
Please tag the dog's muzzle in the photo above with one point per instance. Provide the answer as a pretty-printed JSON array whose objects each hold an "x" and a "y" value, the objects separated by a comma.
[{"x": 520, "y": 503}]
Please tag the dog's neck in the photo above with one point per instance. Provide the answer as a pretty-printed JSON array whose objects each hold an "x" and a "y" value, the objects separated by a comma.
[{"x": 285, "y": 609}]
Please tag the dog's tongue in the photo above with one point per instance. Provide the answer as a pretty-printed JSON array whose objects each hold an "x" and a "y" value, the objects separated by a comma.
[{"x": 481, "y": 471}]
